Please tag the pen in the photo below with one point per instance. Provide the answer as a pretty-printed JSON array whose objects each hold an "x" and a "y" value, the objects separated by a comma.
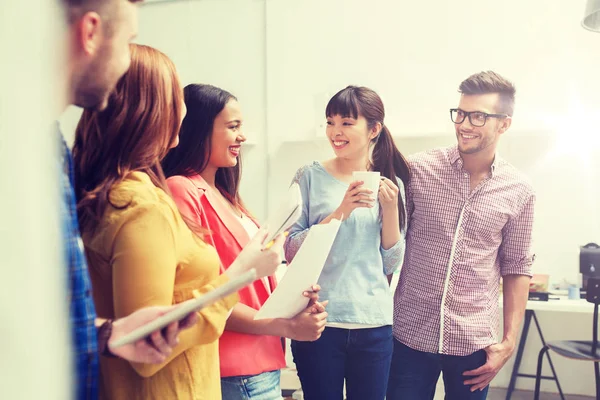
[{"x": 270, "y": 244}]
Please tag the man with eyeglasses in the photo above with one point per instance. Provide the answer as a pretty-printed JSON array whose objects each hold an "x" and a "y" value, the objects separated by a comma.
[{"x": 470, "y": 222}]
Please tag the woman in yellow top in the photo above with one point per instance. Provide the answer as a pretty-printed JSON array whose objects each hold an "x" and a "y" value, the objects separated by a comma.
[{"x": 140, "y": 250}]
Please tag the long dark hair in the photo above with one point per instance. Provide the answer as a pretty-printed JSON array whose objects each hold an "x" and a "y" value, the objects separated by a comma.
[
  {"x": 385, "y": 158},
  {"x": 133, "y": 133},
  {"x": 191, "y": 156}
]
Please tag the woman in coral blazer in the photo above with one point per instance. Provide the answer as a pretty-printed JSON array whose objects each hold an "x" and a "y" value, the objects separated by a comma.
[{"x": 203, "y": 177}]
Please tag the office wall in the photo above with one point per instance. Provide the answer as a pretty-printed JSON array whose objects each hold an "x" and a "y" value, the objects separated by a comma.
[{"x": 35, "y": 361}]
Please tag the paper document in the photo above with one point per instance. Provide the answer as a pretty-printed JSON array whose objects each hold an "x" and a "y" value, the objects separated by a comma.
[{"x": 303, "y": 272}]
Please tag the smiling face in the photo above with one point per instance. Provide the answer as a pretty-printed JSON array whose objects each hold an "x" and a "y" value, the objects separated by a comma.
[
  {"x": 472, "y": 139},
  {"x": 349, "y": 137},
  {"x": 227, "y": 136}
]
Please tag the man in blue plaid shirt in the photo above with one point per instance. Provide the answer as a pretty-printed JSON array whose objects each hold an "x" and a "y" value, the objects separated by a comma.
[{"x": 98, "y": 56}]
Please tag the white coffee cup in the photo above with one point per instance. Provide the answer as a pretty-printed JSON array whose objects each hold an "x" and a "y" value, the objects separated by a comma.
[{"x": 371, "y": 179}]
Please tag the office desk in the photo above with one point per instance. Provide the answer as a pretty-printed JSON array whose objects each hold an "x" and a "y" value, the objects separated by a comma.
[{"x": 561, "y": 305}]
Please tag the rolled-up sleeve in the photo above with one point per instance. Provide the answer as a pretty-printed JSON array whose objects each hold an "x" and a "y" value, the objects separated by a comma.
[{"x": 516, "y": 253}]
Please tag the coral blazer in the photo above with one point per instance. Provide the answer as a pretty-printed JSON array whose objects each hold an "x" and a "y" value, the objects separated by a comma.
[{"x": 240, "y": 354}]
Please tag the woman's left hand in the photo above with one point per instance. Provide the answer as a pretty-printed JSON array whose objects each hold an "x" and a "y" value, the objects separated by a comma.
[{"x": 388, "y": 194}]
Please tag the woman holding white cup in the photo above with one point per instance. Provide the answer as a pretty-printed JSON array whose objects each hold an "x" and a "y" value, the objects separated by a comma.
[{"x": 363, "y": 185}]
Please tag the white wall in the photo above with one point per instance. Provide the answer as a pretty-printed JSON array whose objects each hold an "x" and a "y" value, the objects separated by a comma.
[
  {"x": 35, "y": 361},
  {"x": 221, "y": 43},
  {"x": 416, "y": 53}
]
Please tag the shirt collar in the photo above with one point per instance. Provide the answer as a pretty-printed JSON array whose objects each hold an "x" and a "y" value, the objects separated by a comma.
[{"x": 456, "y": 160}]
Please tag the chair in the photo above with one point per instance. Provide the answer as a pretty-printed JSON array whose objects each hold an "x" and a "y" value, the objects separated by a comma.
[{"x": 577, "y": 349}]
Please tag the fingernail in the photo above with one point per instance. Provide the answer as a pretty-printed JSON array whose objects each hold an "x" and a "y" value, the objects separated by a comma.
[{"x": 305, "y": 293}]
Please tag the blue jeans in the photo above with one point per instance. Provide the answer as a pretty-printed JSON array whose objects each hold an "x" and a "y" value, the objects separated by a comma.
[
  {"x": 414, "y": 374},
  {"x": 360, "y": 356},
  {"x": 265, "y": 386}
]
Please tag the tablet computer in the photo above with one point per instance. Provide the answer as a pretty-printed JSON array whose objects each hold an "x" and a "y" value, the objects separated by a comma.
[{"x": 186, "y": 308}]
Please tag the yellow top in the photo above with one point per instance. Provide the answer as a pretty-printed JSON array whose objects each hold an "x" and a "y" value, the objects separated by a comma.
[{"x": 143, "y": 254}]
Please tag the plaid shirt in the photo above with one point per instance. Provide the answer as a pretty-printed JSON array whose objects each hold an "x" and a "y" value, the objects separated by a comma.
[
  {"x": 459, "y": 243},
  {"x": 81, "y": 308}
]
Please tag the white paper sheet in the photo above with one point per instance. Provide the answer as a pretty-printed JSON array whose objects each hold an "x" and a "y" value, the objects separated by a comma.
[{"x": 304, "y": 271}]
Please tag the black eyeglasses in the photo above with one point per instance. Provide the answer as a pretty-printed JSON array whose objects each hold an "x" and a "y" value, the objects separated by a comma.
[{"x": 476, "y": 118}]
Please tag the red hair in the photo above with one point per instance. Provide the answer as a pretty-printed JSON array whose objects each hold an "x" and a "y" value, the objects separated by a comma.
[{"x": 133, "y": 133}]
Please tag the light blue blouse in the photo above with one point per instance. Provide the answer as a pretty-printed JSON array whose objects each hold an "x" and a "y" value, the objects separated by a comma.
[{"x": 354, "y": 276}]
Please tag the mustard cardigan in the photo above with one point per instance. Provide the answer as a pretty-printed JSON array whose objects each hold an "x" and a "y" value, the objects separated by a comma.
[{"x": 143, "y": 254}]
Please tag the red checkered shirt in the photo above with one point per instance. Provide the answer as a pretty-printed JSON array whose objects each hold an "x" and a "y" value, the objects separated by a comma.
[{"x": 458, "y": 245}]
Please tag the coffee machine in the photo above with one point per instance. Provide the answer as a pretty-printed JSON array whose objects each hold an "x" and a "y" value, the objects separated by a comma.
[{"x": 589, "y": 263}]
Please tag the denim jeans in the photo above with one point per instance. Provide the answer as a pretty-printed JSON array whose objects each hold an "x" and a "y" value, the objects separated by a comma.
[
  {"x": 265, "y": 386},
  {"x": 360, "y": 356},
  {"x": 414, "y": 374}
]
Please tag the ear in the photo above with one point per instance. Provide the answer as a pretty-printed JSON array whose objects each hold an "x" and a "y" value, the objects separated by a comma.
[
  {"x": 504, "y": 125},
  {"x": 89, "y": 33},
  {"x": 375, "y": 131}
]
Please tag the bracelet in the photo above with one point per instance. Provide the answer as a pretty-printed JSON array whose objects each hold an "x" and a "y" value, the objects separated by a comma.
[{"x": 104, "y": 333}]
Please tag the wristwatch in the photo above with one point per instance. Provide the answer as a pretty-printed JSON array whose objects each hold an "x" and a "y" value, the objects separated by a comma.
[{"x": 104, "y": 333}]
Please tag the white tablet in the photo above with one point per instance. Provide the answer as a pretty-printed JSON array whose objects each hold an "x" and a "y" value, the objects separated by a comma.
[{"x": 186, "y": 308}]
